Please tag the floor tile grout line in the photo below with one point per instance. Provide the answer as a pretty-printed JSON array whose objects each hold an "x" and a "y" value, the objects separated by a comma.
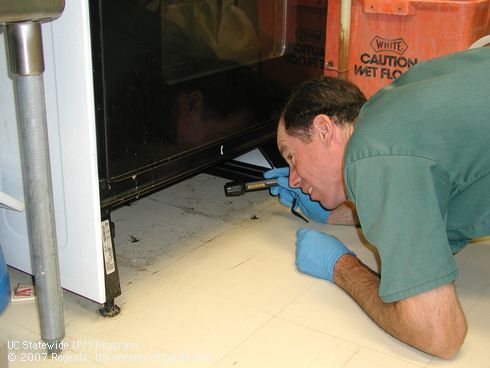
[
  {"x": 480, "y": 295},
  {"x": 483, "y": 290},
  {"x": 37, "y": 333},
  {"x": 231, "y": 350},
  {"x": 272, "y": 317},
  {"x": 355, "y": 343},
  {"x": 337, "y": 337},
  {"x": 210, "y": 293}
]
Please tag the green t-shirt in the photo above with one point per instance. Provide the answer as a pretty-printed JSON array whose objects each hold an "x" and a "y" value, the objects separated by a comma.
[{"x": 418, "y": 169}]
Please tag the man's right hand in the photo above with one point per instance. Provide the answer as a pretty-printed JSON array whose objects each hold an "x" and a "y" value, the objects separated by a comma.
[{"x": 311, "y": 209}]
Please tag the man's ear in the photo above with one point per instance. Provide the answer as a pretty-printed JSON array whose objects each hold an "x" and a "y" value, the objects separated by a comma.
[{"x": 323, "y": 126}]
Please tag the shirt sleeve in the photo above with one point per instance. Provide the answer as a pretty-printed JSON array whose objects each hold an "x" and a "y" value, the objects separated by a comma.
[{"x": 402, "y": 204}]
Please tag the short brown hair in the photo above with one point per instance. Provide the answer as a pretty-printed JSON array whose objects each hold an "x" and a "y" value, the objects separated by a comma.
[{"x": 337, "y": 98}]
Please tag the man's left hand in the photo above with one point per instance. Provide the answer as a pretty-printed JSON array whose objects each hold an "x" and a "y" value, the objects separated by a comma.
[{"x": 317, "y": 253}]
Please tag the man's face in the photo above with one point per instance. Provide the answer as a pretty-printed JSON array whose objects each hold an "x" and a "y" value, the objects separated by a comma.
[{"x": 316, "y": 166}]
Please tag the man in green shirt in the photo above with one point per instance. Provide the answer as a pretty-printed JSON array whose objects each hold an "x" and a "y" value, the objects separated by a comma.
[{"x": 415, "y": 162}]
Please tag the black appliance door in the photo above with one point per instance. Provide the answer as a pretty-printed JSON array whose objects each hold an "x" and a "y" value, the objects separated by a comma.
[{"x": 181, "y": 85}]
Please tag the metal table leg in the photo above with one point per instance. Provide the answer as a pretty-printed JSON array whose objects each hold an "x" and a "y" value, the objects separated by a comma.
[{"x": 27, "y": 66}]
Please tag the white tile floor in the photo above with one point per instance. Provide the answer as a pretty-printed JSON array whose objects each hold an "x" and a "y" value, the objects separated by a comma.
[{"x": 209, "y": 281}]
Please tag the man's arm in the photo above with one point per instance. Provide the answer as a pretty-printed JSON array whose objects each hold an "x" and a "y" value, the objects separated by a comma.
[{"x": 432, "y": 321}]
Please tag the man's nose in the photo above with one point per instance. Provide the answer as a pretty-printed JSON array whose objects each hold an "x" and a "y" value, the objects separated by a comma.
[{"x": 294, "y": 179}]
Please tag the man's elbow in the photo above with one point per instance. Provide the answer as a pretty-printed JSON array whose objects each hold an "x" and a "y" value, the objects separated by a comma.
[{"x": 445, "y": 345}]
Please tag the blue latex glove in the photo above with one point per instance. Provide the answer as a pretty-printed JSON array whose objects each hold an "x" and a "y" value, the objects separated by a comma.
[
  {"x": 311, "y": 209},
  {"x": 317, "y": 253}
]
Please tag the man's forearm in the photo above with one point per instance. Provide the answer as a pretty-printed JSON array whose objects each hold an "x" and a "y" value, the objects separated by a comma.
[
  {"x": 361, "y": 283},
  {"x": 415, "y": 321}
]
